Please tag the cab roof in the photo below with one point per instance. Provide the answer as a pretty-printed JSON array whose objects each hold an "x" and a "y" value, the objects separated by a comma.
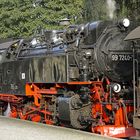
[{"x": 133, "y": 35}]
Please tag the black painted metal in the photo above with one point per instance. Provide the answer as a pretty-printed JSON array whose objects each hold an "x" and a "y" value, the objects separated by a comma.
[{"x": 82, "y": 53}]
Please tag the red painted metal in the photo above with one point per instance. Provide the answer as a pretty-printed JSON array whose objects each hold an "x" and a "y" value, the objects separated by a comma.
[
  {"x": 115, "y": 131},
  {"x": 38, "y": 112},
  {"x": 10, "y": 98}
]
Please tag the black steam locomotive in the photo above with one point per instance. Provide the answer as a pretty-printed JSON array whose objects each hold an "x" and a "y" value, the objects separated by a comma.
[{"x": 80, "y": 77}]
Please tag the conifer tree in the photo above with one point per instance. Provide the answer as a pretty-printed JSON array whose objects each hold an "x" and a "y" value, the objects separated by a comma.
[{"x": 21, "y": 17}]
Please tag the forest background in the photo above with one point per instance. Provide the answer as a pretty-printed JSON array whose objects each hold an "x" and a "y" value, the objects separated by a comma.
[{"x": 20, "y": 18}]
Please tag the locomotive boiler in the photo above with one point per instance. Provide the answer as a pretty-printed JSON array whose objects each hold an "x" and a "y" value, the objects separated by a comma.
[{"x": 80, "y": 77}]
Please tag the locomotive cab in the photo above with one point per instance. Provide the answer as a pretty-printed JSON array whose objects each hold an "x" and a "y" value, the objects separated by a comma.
[{"x": 134, "y": 37}]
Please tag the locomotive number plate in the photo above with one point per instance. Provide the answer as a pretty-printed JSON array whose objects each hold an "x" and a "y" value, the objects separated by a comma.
[{"x": 122, "y": 57}]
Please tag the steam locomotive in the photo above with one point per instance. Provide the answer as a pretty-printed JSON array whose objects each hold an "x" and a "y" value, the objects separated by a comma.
[{"x": 80, "y": 77}]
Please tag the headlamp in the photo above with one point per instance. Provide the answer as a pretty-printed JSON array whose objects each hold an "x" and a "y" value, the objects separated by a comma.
[{"x": 126, "y": 22}]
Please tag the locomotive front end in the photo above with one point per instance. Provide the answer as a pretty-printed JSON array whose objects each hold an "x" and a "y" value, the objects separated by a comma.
[
  {"x": 113, "y": 55},
  {"x": 113, "y": 66}
]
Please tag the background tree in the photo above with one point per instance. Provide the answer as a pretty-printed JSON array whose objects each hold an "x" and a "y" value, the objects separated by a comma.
[
  {"x": 129, "y": 8},
  {"x": 94, "y": 10},
  {"x": 19, "y": 18},
  {"x": 100, "y": 9},
  {"x": 22, "y": 17}
]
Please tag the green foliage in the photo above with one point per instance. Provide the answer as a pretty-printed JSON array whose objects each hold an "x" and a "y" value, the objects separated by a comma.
[
  {"x": 129, "y": 8},
  {"x": 98, "y": 9},
  {"x": 95, "y": 10},
  {"x": 21, "y": 17}
]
